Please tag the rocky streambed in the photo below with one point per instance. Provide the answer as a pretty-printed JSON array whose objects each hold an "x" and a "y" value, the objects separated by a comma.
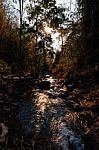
[{"x": 48, "y": 118}]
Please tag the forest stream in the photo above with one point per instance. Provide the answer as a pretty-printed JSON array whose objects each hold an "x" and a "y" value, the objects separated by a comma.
[
  {"x": 45, "y": 119},
  {"x": 49, "y": 74}
]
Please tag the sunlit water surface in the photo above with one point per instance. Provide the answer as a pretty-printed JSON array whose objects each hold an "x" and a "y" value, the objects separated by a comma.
[{"x": 52, "y": 118}]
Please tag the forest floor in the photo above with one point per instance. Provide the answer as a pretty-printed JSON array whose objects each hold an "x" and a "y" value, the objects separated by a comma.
[{"x": 14, "y": 95}]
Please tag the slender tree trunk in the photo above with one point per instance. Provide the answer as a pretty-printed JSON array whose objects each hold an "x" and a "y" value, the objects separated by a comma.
[
  {"x": 36, "y": 48},
  {"x": 20, "y": 38}
]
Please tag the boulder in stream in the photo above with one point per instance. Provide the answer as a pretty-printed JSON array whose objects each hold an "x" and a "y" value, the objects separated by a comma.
[{"x": 44, "y": 85}]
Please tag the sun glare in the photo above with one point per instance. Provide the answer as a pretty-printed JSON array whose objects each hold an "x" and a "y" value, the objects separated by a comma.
[{"x": 47, "y": 29}]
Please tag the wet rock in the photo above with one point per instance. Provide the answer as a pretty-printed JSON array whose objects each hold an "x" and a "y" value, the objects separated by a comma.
[
  {"x": 44, "y": 85},
  {"x": 70, "y": 97},
  {"x": 54, "y": 87},
  {"x": 63, "y": 95},
  {"x": 95, "y": 109},
  {"x": 78, "y": 108},
  {"x": 3, "y": 132},
  {"x": 22, "y": 85},
  {"x": 52, "y": 96},
  {"x": 71, "y": 104}
]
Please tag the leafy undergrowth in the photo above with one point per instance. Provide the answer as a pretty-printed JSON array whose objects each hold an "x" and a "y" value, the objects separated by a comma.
[{"x": 88, "y": 120}]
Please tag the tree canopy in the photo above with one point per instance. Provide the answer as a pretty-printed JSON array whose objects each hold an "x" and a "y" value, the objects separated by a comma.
[{"x": 79, "y": 38}]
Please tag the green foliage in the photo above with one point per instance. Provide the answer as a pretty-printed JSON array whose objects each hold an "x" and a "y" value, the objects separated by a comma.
[
  {"x": 4, "y": 68},
  {"x": 56, "y": 16},
  {"x": 9, "y": 42},
  {"x": 41, "y": 13},
  {"x": 70, "y": 54},
  {"x": 80, "y": 53}
]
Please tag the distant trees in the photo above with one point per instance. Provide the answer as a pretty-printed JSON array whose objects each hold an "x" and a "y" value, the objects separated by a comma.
[
  {"x": 90, "y": 27},
  {"x": 70, "y": 54},
  {"x": 90, "y": 34},
  {"x": 80, "y": 54},
  {"x": 40, "y": 14},
  {"x": 9, "y": 39},
  {"x": 32, "y": 51}
]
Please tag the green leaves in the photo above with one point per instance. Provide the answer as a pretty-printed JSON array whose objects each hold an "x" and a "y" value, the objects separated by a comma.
[{"x": 4, "y": 68}]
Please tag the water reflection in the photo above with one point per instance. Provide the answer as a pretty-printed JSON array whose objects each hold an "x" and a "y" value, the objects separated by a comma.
[{"x": 60, "y": 120}]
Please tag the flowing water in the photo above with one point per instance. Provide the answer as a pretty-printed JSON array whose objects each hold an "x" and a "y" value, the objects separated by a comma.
[{"x": 52, "y": 119}]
